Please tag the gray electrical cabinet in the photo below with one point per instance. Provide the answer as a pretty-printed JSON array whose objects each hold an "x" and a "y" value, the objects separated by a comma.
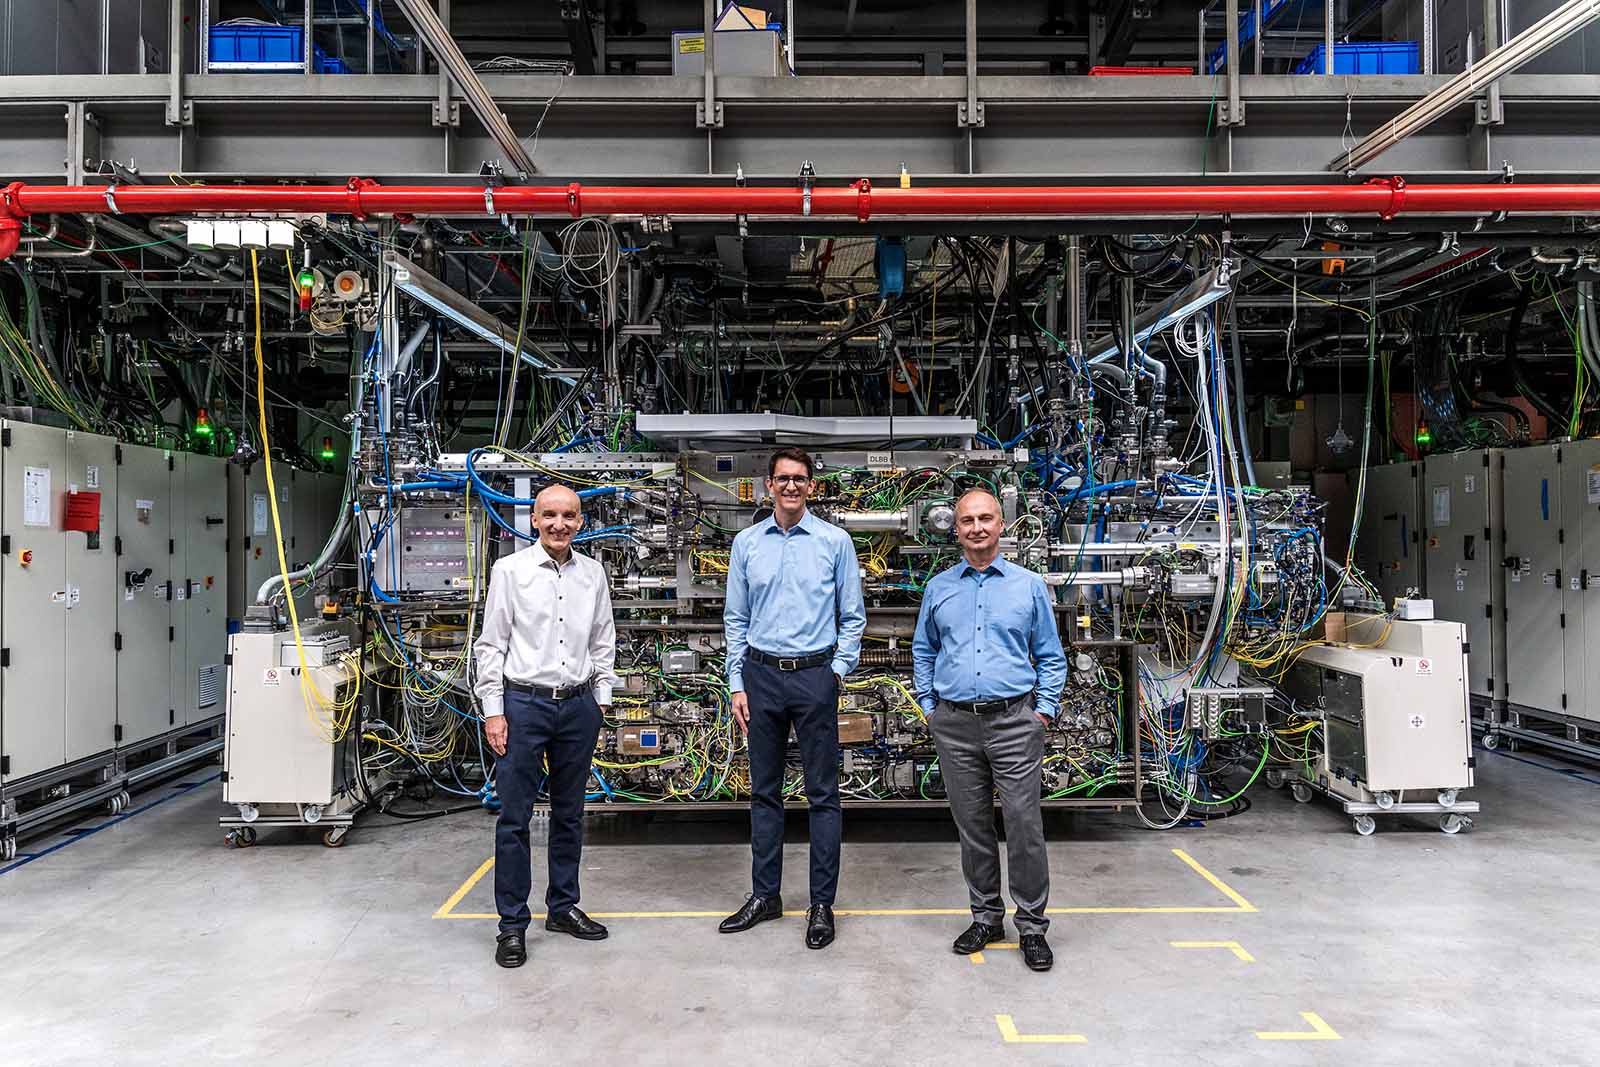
[
  {"x": 91, "y": 609},
  {"x": 1463, "y": 552},
  {"x": 1388, "y": 545},
  {"x": 1536, "y": 658},
  {"x": 199, "y": 587},
  {"x": 254, "y": 556},
  {"x": 33, "y": 625},
  {"x": 145, "y": 566},
  {"x": 1580, "y": 511}
]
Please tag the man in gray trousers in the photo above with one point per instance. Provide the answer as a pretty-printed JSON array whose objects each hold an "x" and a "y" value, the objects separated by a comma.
[{"x": 989, "y": 671}]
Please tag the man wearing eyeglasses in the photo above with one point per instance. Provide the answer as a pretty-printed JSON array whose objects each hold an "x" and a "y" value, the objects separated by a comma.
[{"x": 793, "y": 620}]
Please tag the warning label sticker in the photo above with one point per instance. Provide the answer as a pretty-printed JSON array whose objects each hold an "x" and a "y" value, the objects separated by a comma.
[
  {"x": 272, "y": 676},
  {"x": 1424, "y": 665}
]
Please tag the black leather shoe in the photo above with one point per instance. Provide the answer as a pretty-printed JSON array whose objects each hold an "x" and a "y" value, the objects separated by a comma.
[
  {"x": 976, "y": 936},
  {"x": 756, "y": 910},
  {"x": 511, "y": 949},
  {"x": 819, "y": 926},
  {"x": 1036, "y": 952},
  {"x": 573, "y": 921}
]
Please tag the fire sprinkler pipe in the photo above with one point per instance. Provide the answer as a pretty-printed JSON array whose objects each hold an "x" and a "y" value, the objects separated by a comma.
[{"x": 1382, "y": 197}]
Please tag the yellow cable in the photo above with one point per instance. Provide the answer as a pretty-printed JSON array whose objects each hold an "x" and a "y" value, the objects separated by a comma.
[{"x": 313, "y": 698}]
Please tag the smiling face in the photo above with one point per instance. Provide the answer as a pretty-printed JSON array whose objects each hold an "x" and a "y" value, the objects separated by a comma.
[
  {"x": 978, "y": 523},
  {"x": 789, "y": 484},
  {"x": 557, "y": 515}
]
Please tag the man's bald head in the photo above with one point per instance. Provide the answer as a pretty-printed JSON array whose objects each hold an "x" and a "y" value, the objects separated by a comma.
[
  {"x": 975, "y": 498},
  {"x": 557, "y": 515}
]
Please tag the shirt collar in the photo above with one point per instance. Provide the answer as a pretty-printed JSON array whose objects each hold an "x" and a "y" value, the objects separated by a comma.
[
  {"x": 807, "y": 524},
  {"x": 542, "y": 558},
  {"x": 997, "y": 567}
]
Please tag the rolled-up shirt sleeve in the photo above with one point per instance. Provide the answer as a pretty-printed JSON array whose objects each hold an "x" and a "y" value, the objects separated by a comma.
[
  {"x": 852, "y": 608},
  {"x": 490, "y": 648},
  {"x": 1050, "y": 662},
  {"x": 603, "y": 641},
  {"x": 924, "y": 654},
  {"x": 736, "y": 616}
]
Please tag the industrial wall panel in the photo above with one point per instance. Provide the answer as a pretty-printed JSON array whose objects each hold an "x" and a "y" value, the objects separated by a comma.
[
  {"x": 253, "y": 556},
  {"x": 1388, "y": 548},
  {"x": 310, "y": 531},
  {"x": 1580, "y": 509},
  {"x": 1535, "y": 656},
  {"x": 200, "y": 587},
  {"x": 1464, "y": 516},
  {"x": 145, "y": 705},
  {"x": 33, "y": 627},
  {"x": 91, "y": 609}
]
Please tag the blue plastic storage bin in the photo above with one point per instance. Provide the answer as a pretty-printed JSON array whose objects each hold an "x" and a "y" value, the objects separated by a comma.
[
  {"x": 1366, "y": 57},
  {"x": 323, "y": 63},
  {"x": 255, "y": 47}
]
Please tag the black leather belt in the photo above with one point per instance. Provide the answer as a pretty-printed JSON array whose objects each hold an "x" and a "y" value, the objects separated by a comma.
[
  {"x": 791, "y": 663},
  {"x": 545, "y": 692},
  {"x": 986, "y": 707}
]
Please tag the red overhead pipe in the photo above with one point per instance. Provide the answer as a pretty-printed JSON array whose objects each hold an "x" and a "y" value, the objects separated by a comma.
[{"x": 1383, "y": 197}]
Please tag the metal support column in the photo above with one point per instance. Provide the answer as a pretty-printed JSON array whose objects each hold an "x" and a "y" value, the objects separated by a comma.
[
  {"x": 1429, "y": 38},
  {"x": 709, "y": 114},
  {"x": 1260, "y": 29},
  {"x": 179, "y": 111},
  {"x": 972, "y": 110},
  {"x": 306, "y": 41},
  {"x": 1233, "y": 111},
  {"x": 1327, "y": 37}
]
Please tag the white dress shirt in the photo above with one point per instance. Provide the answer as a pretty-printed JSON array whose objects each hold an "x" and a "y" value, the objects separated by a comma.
[{"x": 545, "y": 625}]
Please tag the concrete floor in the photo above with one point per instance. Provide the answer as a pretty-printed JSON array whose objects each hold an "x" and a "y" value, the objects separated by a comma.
[{"x": 149, "y": 942}]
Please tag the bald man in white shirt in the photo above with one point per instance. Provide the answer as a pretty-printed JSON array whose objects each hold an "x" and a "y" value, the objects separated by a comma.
[{"x": 545, "y": 662}]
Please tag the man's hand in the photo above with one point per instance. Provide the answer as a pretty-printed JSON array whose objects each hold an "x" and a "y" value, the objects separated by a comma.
[
  {"x": 494, "y": 727},
  {"x": 1043, "y": 718},
  {"x": 741, "y": 711},
  {"x": 605, "y": 709}
]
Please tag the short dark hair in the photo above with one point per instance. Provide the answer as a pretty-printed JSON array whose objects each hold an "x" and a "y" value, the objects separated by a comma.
[{"x": 797, "y": 455}]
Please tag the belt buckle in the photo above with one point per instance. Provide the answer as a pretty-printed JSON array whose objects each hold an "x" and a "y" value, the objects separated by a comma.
[{"x": 789, "y": 664}]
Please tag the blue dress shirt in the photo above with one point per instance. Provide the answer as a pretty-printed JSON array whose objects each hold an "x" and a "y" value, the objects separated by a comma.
[
  {"x": 794, "y": 592},
  {"x": 987, "y": 635}
]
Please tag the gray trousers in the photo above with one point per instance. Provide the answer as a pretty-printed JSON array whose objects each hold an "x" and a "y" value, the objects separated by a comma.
[{"x": 979, "y": 755}]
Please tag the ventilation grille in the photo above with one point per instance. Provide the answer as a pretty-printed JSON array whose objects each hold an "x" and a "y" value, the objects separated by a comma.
[{"x": 210, "y": 685}]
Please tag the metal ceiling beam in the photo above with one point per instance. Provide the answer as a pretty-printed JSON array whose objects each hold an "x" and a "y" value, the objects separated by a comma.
[
  {"x": 442, "y": 45},
  {"x": 580, "y": 33}
]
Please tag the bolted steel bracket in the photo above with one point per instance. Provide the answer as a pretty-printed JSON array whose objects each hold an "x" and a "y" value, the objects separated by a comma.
[
  {"x": 700, "y": 121},
  {"x": 452, "y": 119},
  {"x": 183, "y": 115},
  {"x": 966, "y": 120},
  {"x": 1226, "y": 115}
]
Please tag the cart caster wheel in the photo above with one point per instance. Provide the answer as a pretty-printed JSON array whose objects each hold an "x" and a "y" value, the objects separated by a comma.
[
  {"x": 1302, "y": 793},
  {"x": 243, "y": 837},
  {"x": 1447, "y": 798},
  {"x": 1491, "y": 741},
  {"x": 335, "y": 838},
  {"x": 1453, "y": 823},
  {"x": 8, "y": 849},
  {"x": 1385, "y": 800},
  {"x": 1275, "y": 778},
  {"x": 1364, "y": 825}
]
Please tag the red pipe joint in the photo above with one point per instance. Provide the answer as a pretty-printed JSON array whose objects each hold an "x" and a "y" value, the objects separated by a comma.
[
  {"x": 863, "y": 189},
  {"x": 1397, "y": 196}
]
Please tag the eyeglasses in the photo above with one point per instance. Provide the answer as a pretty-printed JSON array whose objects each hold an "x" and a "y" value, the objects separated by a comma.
[{"x": 792, "y": 479}]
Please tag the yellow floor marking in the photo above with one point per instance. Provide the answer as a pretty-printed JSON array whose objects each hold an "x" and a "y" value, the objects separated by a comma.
[
  {"x": 1320, "y": 1031},
  {"x": 466, "y": 887},
  {"x": 1232, "y": 946},
  {"x": 1221, "y": 886},
  {"x": 975, "y": 957},
  {"x": 1240, "y": 904},
  {"x": 1009, "y": 1034}
]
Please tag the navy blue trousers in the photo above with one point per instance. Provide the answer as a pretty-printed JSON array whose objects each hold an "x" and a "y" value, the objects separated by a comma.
[
  {"x": 565, "y": 731},
  {"x": 809, "y": 700}
]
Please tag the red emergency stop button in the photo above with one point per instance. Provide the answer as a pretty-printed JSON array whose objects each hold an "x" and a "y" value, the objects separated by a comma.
[{"x": 25, "y": 557}]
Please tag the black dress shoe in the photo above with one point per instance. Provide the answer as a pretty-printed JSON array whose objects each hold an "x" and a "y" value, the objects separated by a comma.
[
  {"x": 755, "y": 910},
  {"x": 976, "y": 936},
  {"x": 573, "y": 921},
  {"x": 819, "y": 926},
  {"x": 511, "y": 949},
  {"x": 1036, "y": 952}
]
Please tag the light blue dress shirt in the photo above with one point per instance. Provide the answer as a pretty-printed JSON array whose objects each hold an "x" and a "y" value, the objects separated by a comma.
[
  {"x": 987, "y": 635},
  {"x": 793, "y": 593}
]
